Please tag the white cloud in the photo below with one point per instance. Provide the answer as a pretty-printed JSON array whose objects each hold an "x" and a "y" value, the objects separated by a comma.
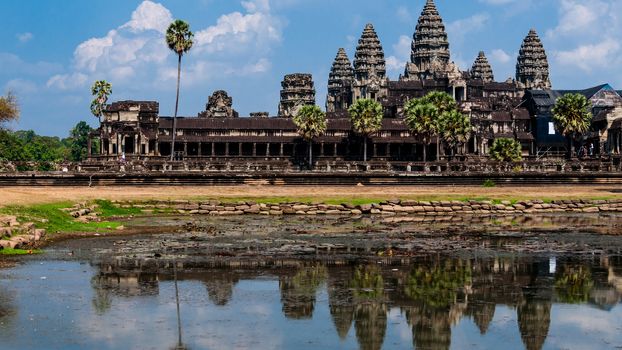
[
  {"x": 403, "y": 14},
  {"x": 149, "y": 16},
  {"x": 591, "y": 56},
  {"x": 68, "y": 81},
  {"x": 401, "y": 55},
  {"x": 21, "y": 86},
  {"x": 459, "y": 29},
  {"x": 500, "y": 56},
  {"x": 24, "y": 37},
  {"x": 135, "y": 54}
]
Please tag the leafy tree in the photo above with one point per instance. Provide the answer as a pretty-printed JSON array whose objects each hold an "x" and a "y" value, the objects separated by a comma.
[
  {"x": 572, "y": 117},
  {"x": 311, "y": 123},
  {"x": 455, "y": 128},
  {"x": 422, "y": 119},
  {"x": 9, "y": 108},
  {"x": 443, "y": 101},
  {"x": 100, "y": 90},
  {"x": 506, "y": 150},
  {"x": 179, "y": 40},
  {"x": 79, "y": 136},
  {"x": 366, "y": 118}
]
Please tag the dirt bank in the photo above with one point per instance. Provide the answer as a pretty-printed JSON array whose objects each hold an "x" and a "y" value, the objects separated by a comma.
[{"x": 39, "y": 195}]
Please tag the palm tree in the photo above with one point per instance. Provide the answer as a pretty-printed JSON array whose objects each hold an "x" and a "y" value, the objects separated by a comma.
[
  {"x": 100, "y": 90},
  {"x": 443, "y": 101},
  {"x": 311, "y": 123},
  {"x": 366, "y": 118},
  {"x": 422, "y": 119},
  {"x": 506, "y": 150},
  {"x": 572, "y": 117},
  {"x": 179, "y": 39},
  {"x": 455, "y": 128}
]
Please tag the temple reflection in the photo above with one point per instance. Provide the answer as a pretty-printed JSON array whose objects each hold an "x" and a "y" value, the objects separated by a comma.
[{"x": 433, "y": 294}]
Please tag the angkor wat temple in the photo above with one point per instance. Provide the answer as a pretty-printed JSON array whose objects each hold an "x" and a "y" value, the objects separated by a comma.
[{"x": 518, "y": 108}]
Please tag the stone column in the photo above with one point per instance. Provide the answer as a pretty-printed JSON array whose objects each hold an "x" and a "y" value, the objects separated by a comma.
[
  {"x": 136, "y": 145},
  {"x": 227, "y": 149},
  {"x": 268, "y": 149},
  {"x": 199, "y": 149},
  {"x": 375, "y": 150},
  {"x": 322, "y": 149},
  {"x": 185, "y": 148},
  {"x": 335, "y": 149},
  {"x": 388, "y": 150},
  {"x": 213, "y": 149},
  {"x": 88, "y": 146},
  {"x": 240, "y": 149},
  {"x": 281, "y": 150},
  {"x": 254, "y": 149}
]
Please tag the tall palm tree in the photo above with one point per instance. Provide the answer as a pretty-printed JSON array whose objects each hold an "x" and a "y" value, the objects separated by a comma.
[
  {"x": 100, "y": 90},
  {"x": 443, "y": 101},
  {"x": 366, "y": 118},
  {"x": 311, "y": 123},
  {"x": 422, "y": 119},
  {"x": 572, "y": 116},
  {"x": 179, "y": 39},
  {"x": 455, "y": 128}
]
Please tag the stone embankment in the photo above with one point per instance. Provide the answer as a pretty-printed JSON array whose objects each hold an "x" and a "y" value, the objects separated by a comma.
[
  {"x": 388, "y": 208},
  {"x": 14, "y": 234}
]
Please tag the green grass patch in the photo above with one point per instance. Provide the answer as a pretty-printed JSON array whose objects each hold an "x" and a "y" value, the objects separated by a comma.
[
  {"x": 14, "y": 252},
  {"x": 106, "y": 209},
  {"x": 53, "y": 219}
]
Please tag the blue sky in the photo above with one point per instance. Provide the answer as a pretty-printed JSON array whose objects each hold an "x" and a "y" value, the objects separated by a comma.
[{"x": 52, "y": 51}]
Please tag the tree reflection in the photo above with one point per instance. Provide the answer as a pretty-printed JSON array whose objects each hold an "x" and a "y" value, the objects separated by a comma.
[
  {"x": 370, "y": 315},
  {"x": 298, "y": 291},
  {"x": 573, "y": 284}
]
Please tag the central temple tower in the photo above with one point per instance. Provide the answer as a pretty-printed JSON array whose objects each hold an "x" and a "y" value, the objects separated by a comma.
[{"x": 430, "y": 57}]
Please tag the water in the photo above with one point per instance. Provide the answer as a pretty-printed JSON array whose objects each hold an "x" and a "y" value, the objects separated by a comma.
[{"x": 509, "y": 301}]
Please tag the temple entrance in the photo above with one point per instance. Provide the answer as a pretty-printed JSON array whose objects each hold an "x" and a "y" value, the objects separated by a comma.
[{"x": 128, "y": 147}]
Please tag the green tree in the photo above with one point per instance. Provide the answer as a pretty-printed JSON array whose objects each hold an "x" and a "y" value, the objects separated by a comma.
[
  {"x": 311, "y": 123},
  {"x": 443, "y": 101},
  {"x": 79, "y": 136},
  {"x": 455, "y": 128},
  {"x": 100, "y": 90},
  {"x": 423, "y": 120},
  {"x": 506, "y": 150},
  {"x": 572, "y": 117},
  {"x": 366, "y": 118},
  {"x": 9, "y": 108},
  {"x": 179, "y": 39}
]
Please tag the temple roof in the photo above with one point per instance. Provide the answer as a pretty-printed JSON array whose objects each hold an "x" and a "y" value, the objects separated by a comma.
[
  {"x": 481, "y": 69},
  {"x": 430, "y": 38},
  {"x": 341, "y": 73},
  {"x": 369, "y": 57},
  {"x": 532, "y": 67},
  {"x": 129, "y": 105}
]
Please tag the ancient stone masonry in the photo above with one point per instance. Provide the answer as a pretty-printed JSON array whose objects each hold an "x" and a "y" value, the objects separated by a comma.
[
  {"x": 532, "y": 68},
  {"x": 219, "y": 105},
  {"x": 430, "y": 47},
  {"x": 481, "y": 69},
  {"x": 298, "y": 90},
  {"x": 340, "y": 83},
  {"x": 370, "y": 72}
]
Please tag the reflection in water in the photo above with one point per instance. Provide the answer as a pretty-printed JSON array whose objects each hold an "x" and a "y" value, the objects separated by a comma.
[
  {"x": 434, "y": 295},
  {"x": 298, "y": 291}
]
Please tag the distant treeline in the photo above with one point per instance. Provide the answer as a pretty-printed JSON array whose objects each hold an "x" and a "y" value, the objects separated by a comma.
[{"x": 27, "y": 146}]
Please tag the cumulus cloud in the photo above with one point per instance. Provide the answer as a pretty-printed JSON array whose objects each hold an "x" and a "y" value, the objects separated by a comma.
[
  {"x": 498, "y": 55},
  {"x": 135, "y": 53},
  {"x": 587, "y": 37},
  {"x": 458, "y": 29}
]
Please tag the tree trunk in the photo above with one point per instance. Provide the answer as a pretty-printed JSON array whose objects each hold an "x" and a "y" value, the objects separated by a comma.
[
  {"x": 365, "y": 149},
  {"x": 570, "y": 148},
  {"x": 176, "y": 108},
  {"x": 310, "y": 154},
  {"x": 425, "y": 152}
]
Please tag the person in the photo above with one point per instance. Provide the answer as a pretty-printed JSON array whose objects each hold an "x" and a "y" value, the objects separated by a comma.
[
  {"x": 123, "y": 157},
  {"x": 591, "y": 149}
]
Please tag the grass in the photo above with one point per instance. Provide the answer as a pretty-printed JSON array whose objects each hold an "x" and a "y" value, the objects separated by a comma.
[
  {"x": 16, "y": 252},
  {"x": 106, "y": 209},
  {"x": 53, "y": 219}
]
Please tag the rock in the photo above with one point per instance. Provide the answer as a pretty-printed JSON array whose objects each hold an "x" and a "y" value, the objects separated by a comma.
[
  {"x": 276, "y": 212},
  {"x": 120, "y": 228},
  {"x": 591, "y": 210},
  {"x": 356, "y": 212},
  {"x": 376, "y": 211},
  {"x": 365, "y": 208},
  {"x": 39, "y": 234}
]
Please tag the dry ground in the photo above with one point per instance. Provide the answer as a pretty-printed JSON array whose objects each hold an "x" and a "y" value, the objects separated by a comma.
[{"x": 39, "y": 195}]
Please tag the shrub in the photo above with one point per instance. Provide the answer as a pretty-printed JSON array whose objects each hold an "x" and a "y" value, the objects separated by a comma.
[{"x": 506, "y": 150}]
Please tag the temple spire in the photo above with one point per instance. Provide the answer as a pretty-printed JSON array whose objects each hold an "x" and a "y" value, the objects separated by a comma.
[
  {"x": 532, "y": 66},
  {"x": 340, "y": 83},
  {"x": 369, "y": 57},
  {"x": 481, "y": 69}
]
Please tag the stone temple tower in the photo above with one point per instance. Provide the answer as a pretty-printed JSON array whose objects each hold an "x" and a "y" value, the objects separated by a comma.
[
  {"x": 370, "y": 72},
  {"x": 481, "y": 69},
  {"x": 340, "y": 83},
  {"x": 532, "y": 68},
  {"x": 297, "y": 90},
  {"x": 430, "y": 55}
]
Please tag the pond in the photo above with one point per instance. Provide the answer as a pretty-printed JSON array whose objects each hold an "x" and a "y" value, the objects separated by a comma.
[{"x": 103, "y": 296}]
